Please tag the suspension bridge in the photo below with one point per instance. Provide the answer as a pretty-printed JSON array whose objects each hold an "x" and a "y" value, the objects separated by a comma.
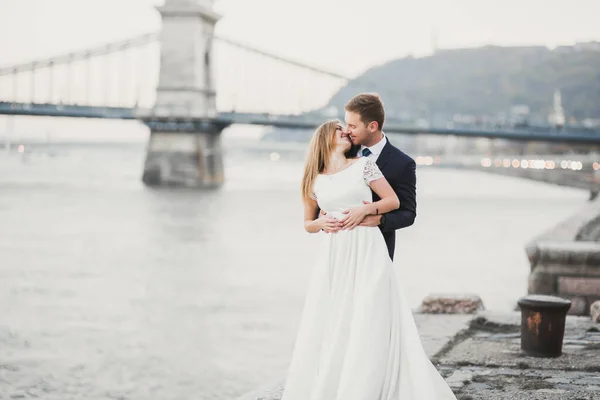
[{"x": 187, "y": 84}]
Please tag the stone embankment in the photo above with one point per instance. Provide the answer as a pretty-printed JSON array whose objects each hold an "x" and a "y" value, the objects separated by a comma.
[{"x": 565, "y": 260}]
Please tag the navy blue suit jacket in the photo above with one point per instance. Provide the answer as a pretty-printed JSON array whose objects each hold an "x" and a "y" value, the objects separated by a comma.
[{"x": 400, "y": 171}]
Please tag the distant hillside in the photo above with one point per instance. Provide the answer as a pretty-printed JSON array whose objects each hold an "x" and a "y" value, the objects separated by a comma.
[{"x": 485, "y": 81}]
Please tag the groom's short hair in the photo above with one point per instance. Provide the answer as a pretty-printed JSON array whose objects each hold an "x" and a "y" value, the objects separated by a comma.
[{"x": 369, "y": 106}]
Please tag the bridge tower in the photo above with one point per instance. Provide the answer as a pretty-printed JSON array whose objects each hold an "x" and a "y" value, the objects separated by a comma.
[{"x": 184, "y": 147}]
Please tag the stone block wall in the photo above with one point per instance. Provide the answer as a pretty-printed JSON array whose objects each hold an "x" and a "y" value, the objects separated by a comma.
[{"x": 565, "y": 261}]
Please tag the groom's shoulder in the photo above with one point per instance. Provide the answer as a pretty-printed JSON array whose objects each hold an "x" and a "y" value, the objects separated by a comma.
[{"x": 400, "y": 156}]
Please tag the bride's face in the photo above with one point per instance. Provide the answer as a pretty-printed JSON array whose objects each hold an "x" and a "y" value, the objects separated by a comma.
[{"x": 341, "y": 139}]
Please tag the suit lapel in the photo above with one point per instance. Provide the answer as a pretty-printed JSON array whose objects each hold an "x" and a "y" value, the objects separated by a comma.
[{"x": 384, "y": 157}]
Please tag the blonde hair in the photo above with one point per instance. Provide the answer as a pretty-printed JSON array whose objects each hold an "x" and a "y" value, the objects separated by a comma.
[{"x": 319, "y": 152}]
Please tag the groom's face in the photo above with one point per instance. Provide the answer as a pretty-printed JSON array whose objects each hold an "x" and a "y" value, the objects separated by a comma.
[{"x": 356, "y": 130}]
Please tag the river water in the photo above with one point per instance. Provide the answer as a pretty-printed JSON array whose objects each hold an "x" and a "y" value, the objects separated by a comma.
[{"x": 111, "y": 290}]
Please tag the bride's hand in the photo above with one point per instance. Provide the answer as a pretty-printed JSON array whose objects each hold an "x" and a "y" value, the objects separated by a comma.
[
  {"x": 328, "y": 224},
  {"x": 354, "y": 217}
]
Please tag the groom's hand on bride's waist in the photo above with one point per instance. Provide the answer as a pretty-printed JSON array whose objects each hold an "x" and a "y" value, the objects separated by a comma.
[{"x": 371, "y": 220}]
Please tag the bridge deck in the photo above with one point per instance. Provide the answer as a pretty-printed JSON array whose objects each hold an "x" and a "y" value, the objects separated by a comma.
[{"x": 296, "y": 122}]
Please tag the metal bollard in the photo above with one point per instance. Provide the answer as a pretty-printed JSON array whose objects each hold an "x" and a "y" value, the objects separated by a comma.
[{"x": 543, "y": 324}]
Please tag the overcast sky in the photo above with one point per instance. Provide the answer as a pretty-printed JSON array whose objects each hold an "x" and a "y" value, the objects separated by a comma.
[{"x": 347, "y": 36}]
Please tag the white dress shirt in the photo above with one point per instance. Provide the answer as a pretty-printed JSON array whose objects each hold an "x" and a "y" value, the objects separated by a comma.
[{"x": 376, "y": 149}]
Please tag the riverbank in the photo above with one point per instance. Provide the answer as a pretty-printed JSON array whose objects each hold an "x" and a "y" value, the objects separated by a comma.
[{"x": 480, "y": 358}]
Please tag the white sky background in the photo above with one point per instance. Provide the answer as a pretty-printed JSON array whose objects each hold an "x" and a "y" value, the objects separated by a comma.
[{"x": 347, "y": 36}]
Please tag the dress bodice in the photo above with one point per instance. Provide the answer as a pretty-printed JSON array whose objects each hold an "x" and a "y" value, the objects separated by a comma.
[{"x": 346, "y": 189}]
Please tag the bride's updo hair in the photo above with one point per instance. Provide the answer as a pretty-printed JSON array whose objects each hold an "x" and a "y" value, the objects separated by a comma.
[{"x": 320, "y": 148}]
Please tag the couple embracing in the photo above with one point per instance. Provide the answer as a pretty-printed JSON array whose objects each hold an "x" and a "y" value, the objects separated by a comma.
[{"x": 357, "y": 338}]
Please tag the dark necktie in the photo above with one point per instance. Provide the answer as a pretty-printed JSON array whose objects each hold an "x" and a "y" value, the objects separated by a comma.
[{"x": 366, "y": 152}]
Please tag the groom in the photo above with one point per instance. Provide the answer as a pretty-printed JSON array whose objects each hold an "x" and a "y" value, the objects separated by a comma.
[{"x": 364, "y": 123}]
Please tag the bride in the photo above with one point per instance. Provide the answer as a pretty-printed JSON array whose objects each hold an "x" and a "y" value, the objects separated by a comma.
[{"x": 357, "y": 338}]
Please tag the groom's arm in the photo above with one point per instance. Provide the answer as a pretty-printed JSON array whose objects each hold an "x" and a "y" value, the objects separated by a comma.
[{"x": 405, "y": 187}]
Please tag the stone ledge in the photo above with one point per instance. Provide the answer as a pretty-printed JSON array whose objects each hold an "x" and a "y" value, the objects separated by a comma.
[
  {"x": 565, "y": 237},
  {"x": 565, "y": 260},
  {"x": 564, "y": 253},
  {"x": 585, "y": 286},
  {"x": 449, "y": 303}
]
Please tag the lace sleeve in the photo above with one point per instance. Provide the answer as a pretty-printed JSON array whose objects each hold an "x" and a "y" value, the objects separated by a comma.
[
  {"x": 371, "y": 171},
  {"x": 313, "y": 196}
]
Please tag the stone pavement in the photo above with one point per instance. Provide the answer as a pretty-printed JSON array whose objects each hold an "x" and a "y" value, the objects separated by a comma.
[
  {"x": 487, "y": 362},
  {"x": 481, "y": 358}
]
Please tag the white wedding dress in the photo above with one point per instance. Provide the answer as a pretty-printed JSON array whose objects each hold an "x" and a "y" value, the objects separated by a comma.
[{"x": 357, "y": 338}]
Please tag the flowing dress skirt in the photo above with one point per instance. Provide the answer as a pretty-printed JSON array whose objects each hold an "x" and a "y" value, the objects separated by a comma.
[{"x": 357, "y": 338}]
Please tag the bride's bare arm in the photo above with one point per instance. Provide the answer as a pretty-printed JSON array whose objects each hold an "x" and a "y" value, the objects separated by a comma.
[
  {"x": 389, "y": 202},
  {"x": 313, "y": 225}
]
